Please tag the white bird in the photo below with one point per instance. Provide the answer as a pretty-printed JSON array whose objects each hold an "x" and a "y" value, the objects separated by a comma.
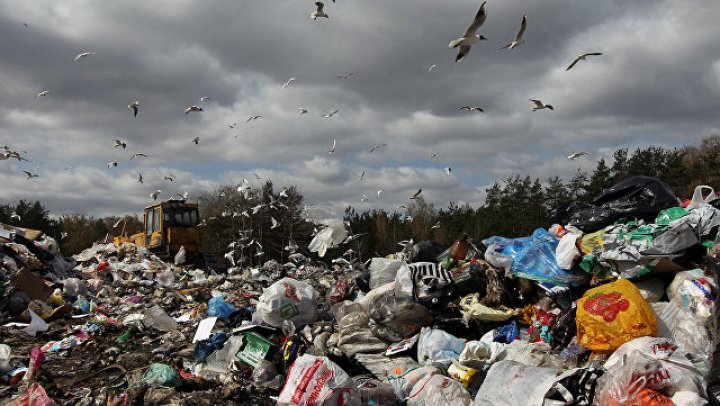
[
  {"x": 196, "y": 140},
  {"x": 274, "y": 222},
  {"x": 364, "y": 198},
  {"x": 283, "y": 193},
  {"x": 319, "y": 11},
  {"x": 472, "y": 108},
  {"x": 42, "y": 94},
  {"x": 436, "y": 226},
  {"x": 362, "y": 175},
  {"x": 286, "y": 84},
  {"x": 256, "y": 208},
  {"x": 448, "y": 170},
  {"x": 470, "y": 37},
  {"x": 140, "y": 179},
  {"x": 135, "y": 106},
  {"x": 15, "y": 217},
  {"x": 119, "y": 143},
  {"x": 63, "y": 235},
  {"x": 193, "y": 109},
  {"x": 376, "y": 146},
  {"x": 302, "y": 110},
  {"x": 111, "y": 164},
  {"x": 137, "y": 155},
  {"x": 171, "y": 177},
  {"x": 415, "y": 196},
  {"x": 256, "y": 176},
  {"x": 576, "y": 155},
  {"x": 204, "y": 99},
  {"x": 332, "y": 113},
  {"x": 30, "y": 175},
  {"x": 332, "y": 149},
  {"x": 346, "y": 75},
  {"x": 433, "y": 66},
  {"x": 154, "y": 195},
  {"x": 518, "y": 40},
  {"x": 378, "y": 193},
  {"x": 69, "y": 168},
  {"x": 582, "y": 57},
  {"x": 232, "y": 125},
  {"x": 83, "y": 55},
  {"x": 540, "y": 105},
  {"x": 117, "y": 223},
  {"x": 253, "y": 118},
  {"x": 433, "y": 156}
]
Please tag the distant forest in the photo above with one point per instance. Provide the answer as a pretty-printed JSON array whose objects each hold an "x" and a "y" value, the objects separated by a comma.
[{"x": 514, "y": 206}]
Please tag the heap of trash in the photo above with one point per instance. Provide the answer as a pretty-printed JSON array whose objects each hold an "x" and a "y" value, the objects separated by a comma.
[{"x": 615, "y": 304}]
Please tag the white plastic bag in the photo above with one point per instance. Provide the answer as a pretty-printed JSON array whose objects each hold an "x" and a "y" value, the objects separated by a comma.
[
  {"x": 567, "y": 252},
  {"x": 180, "y": 256},
  {"x": 382, "y": 271},
  {"x": 332, "y": 235},
  {"x": 477, "y": 353},
  {"x": 403, "y": 381},
  {"x": 698, "y": 199},
  {"x": 4, "y": 357},
  {"x": 288, "y": 299},
  {"x": 438, "y": 390},
  {"x": 686, "y": 329},
  {"x": 318, "y": 381},
  {"x": 510, "y": 383},
  {"x": 693, "y": 291},
  {"x": 647, "y": 362},
  {"x": 438, "y": 348}
]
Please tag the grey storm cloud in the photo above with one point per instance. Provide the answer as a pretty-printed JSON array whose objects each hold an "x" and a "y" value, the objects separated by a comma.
[{"x": 657, "y": 83}]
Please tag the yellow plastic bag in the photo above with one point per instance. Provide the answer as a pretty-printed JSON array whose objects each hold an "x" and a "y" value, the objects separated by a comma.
[
  {"x": 591, "y": 242},
  {"x": 610, "y": 315}
]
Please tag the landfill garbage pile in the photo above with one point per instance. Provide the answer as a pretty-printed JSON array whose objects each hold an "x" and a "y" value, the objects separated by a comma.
[{"x": 614, "y": 305}]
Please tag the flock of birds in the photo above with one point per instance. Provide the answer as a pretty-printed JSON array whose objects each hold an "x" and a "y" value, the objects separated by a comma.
[{"x": 463, "y": 44}]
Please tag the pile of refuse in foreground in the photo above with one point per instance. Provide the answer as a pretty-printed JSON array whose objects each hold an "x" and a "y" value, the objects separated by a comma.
[{"x": 615, "y": 305}]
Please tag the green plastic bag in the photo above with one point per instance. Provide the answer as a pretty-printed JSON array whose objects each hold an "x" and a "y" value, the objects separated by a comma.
[
  {"x": 161, "y": 375},
  {"x": 668, "y": 215}
]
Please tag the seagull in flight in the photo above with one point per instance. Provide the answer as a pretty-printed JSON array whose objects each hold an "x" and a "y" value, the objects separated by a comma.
[
  {"x": 575, "y": 155},
  {"x": 274, "y": 222},
  {"x": 582, "y": 57},
  {"x": 256, "y": 176},
  {"x": 436, "y": 226},
  {"x": 253, "y": 118},
  {"x": 379, "y": 192},
  {"x": 364, "y": 198},
  {"x": 362, "y": 175},
  {"x": 518, "y": 40},
  {"x": 448, "y": 170},
  {"x": 283, "y": 193},
  {"x": 30, "y": 175},
  {"x": 154, "y": 195},
  {"x": 472, "y": 108},
  {"x": 319, "y": 11},
  {"x": 540, "y": 105},
  {"x": 140, "y": 179},
  {"x": 433, "y": 66},
  {"x": 415, "y": 196},
  {"x": 286, "y": 84},
  {"x": 332, "y": 113},
  {"x": 170, "y": 178},
  {"x": 137, "y": 155},
  {"x": 346, "y": 75},
  {"x": 193, "y": 109},
  {"x": 15, "y": 217},
  {"x": 119, "y": 143},
  {"x": 112, "y": 164},
  {"x": 470, "y": 37},
  {"x": 332, "y": 150},
  {"x": 433, "y": 156},
  {"x": 196, "y": 140},
  {"x": 135, "y": 106},
  {"x": 42, "y": 94},
  {"x": 376, "y": 146},
  {"x": 204, "y": 99},
  {"x": 83, "y": 55},
  {"x": 302, "y": 110}
]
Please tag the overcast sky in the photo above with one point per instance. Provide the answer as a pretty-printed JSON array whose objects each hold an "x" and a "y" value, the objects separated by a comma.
[{"x": 658, "y": 82}]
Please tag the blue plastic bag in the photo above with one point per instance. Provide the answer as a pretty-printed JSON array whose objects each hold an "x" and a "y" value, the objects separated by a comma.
[
  {"x": 218, "y": 307},
  {"x": 535, "y": 260},
  {"x": 507, "y": 333},
  {"x": 204, "y": 348}
]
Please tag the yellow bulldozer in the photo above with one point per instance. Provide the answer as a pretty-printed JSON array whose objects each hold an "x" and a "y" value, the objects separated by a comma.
[{"x": 168, "y": 225}]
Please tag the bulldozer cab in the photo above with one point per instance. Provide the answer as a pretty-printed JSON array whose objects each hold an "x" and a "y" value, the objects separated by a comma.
[{"x": 170, "y": 225}]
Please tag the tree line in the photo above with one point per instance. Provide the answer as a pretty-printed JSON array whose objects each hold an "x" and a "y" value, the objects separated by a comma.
[{"x": 272, "y": 220}]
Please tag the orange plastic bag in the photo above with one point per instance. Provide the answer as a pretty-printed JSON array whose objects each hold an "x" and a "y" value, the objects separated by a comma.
[
  {"x": 645, "y": 397},
  {"x": 610, "y": 315}
]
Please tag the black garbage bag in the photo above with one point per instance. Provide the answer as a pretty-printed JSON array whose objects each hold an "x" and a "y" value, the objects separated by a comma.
[
  {"x": 640, "y": 197},
  {"x": 394, "y": 319},
  {"x": 426, "y": 251}
]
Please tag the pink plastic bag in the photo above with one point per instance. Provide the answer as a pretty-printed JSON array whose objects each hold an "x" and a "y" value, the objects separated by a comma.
[{"x": 34, "y": 396}]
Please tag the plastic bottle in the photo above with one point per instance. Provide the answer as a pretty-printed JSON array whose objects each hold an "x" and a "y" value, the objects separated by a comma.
[{"x": 459, "y": 249}]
